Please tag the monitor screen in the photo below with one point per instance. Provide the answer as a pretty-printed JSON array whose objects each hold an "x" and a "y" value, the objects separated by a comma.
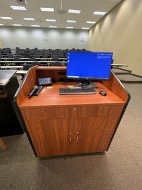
[{"x": 89, "y": 65}]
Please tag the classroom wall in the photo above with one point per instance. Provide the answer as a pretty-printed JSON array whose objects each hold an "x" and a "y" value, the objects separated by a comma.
[
  {"x": 42, "y": 38},
  {"x": 121, "y": 32}
]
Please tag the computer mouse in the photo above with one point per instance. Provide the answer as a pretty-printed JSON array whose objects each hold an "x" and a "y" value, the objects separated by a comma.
[{"x": 103, "y": 93}]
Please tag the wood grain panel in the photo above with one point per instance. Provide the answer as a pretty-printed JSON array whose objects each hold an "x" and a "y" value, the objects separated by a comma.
[
  {"x": 71, "y": 124},
  {"x": 64, "y": 136},
  {"x": 29, "y": 82},
  {"x": 50, "y": 137},
  {"x": 71, "y": 111},
  {"x": 98, "y": 142},
  {"x": 116, "y": 87}
]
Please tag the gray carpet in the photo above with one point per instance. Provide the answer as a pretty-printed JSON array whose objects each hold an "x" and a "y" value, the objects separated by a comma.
[{"x": 120, "y": 168}]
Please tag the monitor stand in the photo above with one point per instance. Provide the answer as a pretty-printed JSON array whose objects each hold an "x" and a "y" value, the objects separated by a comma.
[{"x": 87, "y": 84}]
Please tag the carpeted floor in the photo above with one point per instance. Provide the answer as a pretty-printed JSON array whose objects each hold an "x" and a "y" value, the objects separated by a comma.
[{"x": 120, "y": 168}]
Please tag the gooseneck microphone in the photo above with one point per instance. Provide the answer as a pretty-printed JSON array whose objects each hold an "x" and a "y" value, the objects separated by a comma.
[{"x": 33, "y": 91}]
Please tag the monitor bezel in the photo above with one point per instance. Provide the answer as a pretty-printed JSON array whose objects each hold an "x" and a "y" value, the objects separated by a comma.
[{"x": 88, "y": 79}]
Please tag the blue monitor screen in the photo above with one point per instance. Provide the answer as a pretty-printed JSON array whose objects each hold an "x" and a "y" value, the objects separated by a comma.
[{"x": 89, "y": 65}]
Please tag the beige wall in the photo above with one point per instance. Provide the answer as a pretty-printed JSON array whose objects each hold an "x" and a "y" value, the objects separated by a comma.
[
  {"x": 42, "y": 38},
  {"x": 121, "y": 32},
  {"x": 1, "y": 44}
]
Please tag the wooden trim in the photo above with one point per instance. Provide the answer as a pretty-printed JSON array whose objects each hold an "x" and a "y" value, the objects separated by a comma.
[{"x": 116, "y": 87}]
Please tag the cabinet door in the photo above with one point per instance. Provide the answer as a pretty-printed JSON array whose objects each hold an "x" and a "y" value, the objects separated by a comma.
[
  {"x": 50, "y": 137},
  {"x": 93, "y": 134},
  {"x": 71, "y": 130}
]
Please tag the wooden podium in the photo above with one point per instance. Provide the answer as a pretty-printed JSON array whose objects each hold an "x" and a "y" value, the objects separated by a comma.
[{"x": 70, "y": 124}]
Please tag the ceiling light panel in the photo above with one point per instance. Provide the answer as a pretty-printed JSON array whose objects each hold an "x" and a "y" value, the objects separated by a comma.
[
  {"x": 71, "y": 21},
  {"x": 52, "y": 26},
  {"x": 74, "y": 11},
  {"x": 85, "y": 28},
  {"x": 51, "y": 20},
  {"x": 47, "y": 9},
  {"x": 90, "y": 22},
  {"x": 6, "y": 18},
  {"x": 21, "y": 8},
  {"x": 69, "y": 27},
  {"x": 16, "y": 24},
  {"x": 35, "y": 25},
  {"x": 28, "y": 18},
  {"x": 99, "y": 13}
]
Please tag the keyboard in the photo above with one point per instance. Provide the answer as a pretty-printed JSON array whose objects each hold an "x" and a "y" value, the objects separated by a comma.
[{"x": 74, "y": 90}]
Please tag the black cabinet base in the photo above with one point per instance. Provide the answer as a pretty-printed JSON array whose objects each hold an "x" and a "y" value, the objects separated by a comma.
[{"x": 10, "y": 124}]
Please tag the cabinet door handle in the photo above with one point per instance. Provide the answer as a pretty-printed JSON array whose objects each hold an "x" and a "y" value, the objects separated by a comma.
[
  {"x": 77, "y": 139},
  {"x": 70, "y": 140}
]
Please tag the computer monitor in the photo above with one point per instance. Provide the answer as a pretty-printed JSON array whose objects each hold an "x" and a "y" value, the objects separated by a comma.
[{"x": 89, "y": 66}]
